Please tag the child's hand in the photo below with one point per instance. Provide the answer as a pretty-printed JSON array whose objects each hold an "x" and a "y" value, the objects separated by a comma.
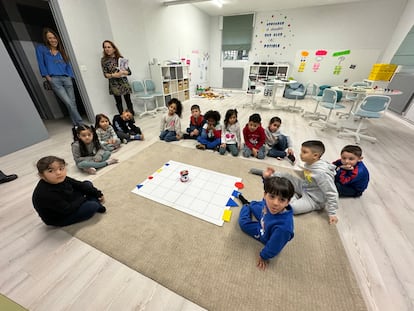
[
  {"x": 194, "y": 133},
  {"x": 102, "y": 199},
  {"x": 178, "y": 136},
  {"x": 97, "y": 158},
  {"x": 223, "y": 145},
  {"x": 347, "y": 167},
  {"x": 268, "y": 172},
  {"x": 261, "y": 263},
  {"x": 333, "y": 219},
  {"x": 290, "y": 151},
  {"x": 254, "y": 152}
]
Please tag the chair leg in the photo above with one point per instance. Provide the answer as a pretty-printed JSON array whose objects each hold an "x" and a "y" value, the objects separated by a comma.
[
  {"x": 294, "y": 108},
  {"x": 314, "y": 114},
  {"x": 357, "y": 134}
]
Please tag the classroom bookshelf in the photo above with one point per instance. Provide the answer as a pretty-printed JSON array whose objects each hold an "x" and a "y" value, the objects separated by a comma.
[{"x": 173, "y": 80}]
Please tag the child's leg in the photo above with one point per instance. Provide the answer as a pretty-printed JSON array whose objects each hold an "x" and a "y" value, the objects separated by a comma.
[
  {"x": 171, "y": 136},
  {"x": 85, "y": 211},
  {"x": 261, "y": 153},
  {"x": 88, "y": 164},
  {"x": 123, "y": 135},
  {"x": 213, "y": 144},
  {"x": 303, "y": 205},
  {"x": 233, "y": 149},
  {"x": 275, "y": 153},
  {"x": 246, "y": 223},
  {"x": 345, "y": 191},
  {"x": 106, "y": 155},
  {"x": 247, "y": 152}
]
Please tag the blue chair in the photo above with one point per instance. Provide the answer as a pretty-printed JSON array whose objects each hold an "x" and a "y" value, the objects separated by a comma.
[
  {"x": 297, "y": 91},
  {"x": 371, "y": 107},
  {"x": 314, "y": 94},
  {"x": 328, "y": 101},
  {"x": 150, "y": 89},
  {"x": 139, "y": 95}
]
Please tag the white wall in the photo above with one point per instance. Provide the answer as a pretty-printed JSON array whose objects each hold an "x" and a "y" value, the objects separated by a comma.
[
  {"x": 406, "y": 21},
  {"x": 367, "y": 25},
  {"x": 88, "y": 24},
  {"x": 142, "y": 30}
]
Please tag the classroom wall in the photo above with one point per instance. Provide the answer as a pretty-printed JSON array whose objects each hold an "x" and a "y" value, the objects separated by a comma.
[
  {"x": 142, "y": 30},
  {"x": 20, "y": 124},
  {"x": 363, "y": 27}
]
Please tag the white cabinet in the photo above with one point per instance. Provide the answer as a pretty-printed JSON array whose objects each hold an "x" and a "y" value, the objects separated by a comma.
[{"x": 172, "y": 80}]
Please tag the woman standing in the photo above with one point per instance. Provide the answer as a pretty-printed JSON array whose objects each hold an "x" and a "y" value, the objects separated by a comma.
[
  {"x": 54, "y": 66},
  {"x": 118, "y": 82}
]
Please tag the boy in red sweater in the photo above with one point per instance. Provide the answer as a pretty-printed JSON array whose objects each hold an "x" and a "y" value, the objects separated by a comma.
[{"x": 254, "y": 138}]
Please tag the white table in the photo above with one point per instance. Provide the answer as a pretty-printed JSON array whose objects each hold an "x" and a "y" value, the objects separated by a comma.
[{"x": 277, "y": 86}]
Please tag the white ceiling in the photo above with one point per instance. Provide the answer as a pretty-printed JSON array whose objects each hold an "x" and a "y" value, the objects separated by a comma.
[{"x": 233, "y": 7}]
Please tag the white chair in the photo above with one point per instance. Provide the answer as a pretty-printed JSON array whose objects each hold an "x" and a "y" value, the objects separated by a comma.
[
  {"x": 151, "y": 90},
  {"x": 252, "y": 91},
  {"x": 314, "y": 94},
  {"x": 371, "y": 107},
  {"x": 328, "y": 101},
  {"x": 139, "y": 95}
]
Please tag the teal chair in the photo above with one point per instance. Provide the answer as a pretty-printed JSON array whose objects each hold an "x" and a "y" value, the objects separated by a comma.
[
  {"x": 328, "y": 101},
  {"x": 313, "y": 92},
  {"x": 141, "y": 99},
  {"x": 371, "y": 107},
  {"x": 150, "y": 89}
]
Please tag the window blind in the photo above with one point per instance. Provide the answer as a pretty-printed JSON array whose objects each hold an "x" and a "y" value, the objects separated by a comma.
[{"x": 237, "y": 32}]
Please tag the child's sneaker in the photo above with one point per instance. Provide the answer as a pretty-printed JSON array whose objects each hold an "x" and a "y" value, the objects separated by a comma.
[
  {"x": 90, "y": 170},
  {"x": 101, "y": 209},
  {"x": 112, "y": 161},
  {"x": 291, "y": 158},
  {"x": 201, "y": 147},
  {"x": 124, "y": 141}
]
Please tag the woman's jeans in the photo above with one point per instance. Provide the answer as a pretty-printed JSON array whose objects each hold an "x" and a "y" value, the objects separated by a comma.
[{"x": 62, "y": 86}]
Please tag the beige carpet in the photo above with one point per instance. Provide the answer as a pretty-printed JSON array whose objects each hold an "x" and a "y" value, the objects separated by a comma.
[{"x": 215, "y": 266}]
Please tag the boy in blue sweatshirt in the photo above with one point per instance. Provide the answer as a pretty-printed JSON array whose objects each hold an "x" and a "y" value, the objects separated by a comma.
[
  {"x": 273, "y": 225},
  {"x": 352, "y": 175}
]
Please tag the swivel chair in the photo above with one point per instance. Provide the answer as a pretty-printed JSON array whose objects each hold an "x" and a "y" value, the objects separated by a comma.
[
  {"x": 372, "y": 106},
  {"x": 328, "y": 101},
  {"x": 139, "y": 95}
]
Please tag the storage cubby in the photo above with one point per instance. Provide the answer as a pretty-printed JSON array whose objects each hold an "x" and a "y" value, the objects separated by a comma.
[{"x": 173, "y": 80}]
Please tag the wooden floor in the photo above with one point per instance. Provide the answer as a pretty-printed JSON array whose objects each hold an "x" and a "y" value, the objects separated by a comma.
[{"x": 46, "y": 269}]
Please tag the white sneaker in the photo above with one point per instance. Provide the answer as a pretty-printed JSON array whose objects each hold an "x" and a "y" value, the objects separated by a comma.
[
  {"x": 90, "y": 170},
  {"x": 112, "y": 161}
]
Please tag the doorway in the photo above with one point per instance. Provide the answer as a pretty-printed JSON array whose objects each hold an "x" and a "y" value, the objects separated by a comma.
[{"x": 21, "y": 25}]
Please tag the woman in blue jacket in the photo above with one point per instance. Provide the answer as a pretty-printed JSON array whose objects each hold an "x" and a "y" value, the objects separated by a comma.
[{"x": 54, "y": 66}]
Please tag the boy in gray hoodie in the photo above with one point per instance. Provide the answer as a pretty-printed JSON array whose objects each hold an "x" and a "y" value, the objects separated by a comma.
[{"x": 317, "y": 188}]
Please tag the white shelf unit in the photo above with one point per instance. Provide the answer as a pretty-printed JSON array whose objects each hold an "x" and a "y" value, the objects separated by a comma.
[
  {"x": 261, "y": 72},
  {"x": 172, "y": 80},
  {"x": 268, "y": 72}
]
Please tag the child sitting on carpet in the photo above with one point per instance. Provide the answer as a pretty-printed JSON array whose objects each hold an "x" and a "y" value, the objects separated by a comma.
[
  {"x": 210, "y": 137},
  {"x": 254, "y": 138},
  {"x": 170, "y": 127},
  {"x": 274, "y": 218},
  {"x": 317, "y": 187},
  {"x": 196, "y": 123},
  {"x": 230, "y": 135},
  {"x": 106, "y": 133},
  {"x": 61, "y": 200},
  {"x": 352, "y": 175},
  {"x": 87, "y": 151}
]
